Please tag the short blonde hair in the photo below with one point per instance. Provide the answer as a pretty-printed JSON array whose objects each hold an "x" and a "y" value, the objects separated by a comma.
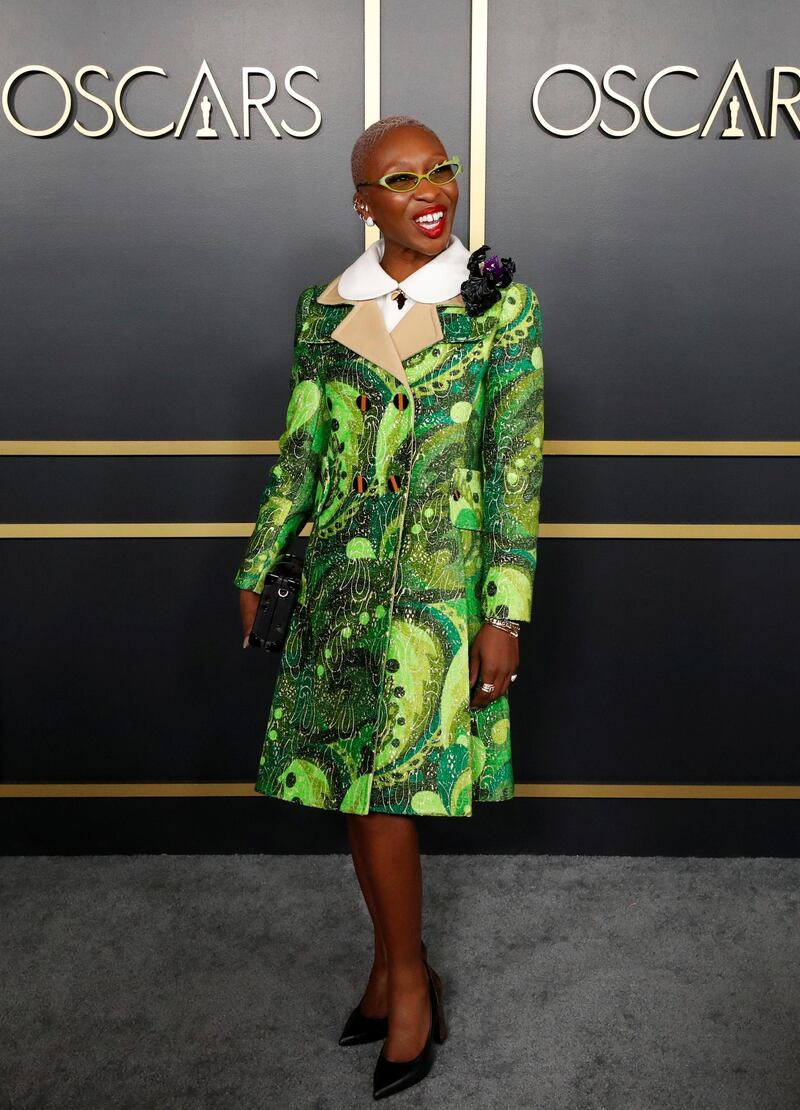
[{"x": 369, "y": 139}]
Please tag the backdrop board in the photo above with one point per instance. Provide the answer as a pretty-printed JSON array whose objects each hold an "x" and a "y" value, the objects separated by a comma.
[
  {"x": 667, "y": 262},
  {"x": 149, "y": 285},
  {"x": 665, "y": 266},
  {"x": 151, "y": 282}
]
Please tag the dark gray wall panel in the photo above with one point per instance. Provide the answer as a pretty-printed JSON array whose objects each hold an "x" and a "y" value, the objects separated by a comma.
[
  {"x": 150, "y": 284},
  {"x": 648, "y": 661},
  {"x": 665, "y": 267},
  {"x": 595, "y": 826},
  {"x": 123, "y": 662},
  {"x": 225, "y": 488},
  {"x": 430, "y": 78}
]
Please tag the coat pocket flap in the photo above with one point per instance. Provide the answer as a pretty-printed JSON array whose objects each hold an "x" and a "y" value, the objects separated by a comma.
[{"x": 466, "y": 498}]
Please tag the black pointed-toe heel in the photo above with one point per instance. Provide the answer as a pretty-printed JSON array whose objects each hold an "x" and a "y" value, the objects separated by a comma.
[
  {"x": 392, "y": 1076},
  {"x": 360, "y": 1029}
]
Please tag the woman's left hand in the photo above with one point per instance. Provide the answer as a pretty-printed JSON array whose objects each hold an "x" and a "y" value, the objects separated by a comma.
[{"x": 493, "y": 657}]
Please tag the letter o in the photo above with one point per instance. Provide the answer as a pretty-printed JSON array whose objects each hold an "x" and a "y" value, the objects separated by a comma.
[
  {"x": 67, "y": 91},
  {"x": 566, "y": 68}
]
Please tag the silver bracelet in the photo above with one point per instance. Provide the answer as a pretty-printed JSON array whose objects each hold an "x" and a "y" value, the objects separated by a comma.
[{"x": 508, "y": 626}]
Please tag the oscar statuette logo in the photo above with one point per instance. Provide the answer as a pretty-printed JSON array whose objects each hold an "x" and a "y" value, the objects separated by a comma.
[
  {"x": 206, "y": 132},
  {"x": 732, "y": 131}
]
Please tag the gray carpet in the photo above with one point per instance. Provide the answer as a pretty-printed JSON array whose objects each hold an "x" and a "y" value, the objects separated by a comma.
[{"x": 178, "y": 982}]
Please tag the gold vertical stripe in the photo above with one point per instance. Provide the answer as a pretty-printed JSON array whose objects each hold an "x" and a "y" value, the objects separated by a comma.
[
  {"x": 673, "y": 791},
  {"x": 477, "y": 123},
  {"x": 372, "y": 83}
]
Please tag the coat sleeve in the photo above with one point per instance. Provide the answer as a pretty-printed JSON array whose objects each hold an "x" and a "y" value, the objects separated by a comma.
[
  {"x": 513, "y": 435},
  {"x": 287, "y": 499}
]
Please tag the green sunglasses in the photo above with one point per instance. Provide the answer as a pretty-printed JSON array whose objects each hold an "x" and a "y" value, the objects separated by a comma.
[{"x": 403, "y": 181}]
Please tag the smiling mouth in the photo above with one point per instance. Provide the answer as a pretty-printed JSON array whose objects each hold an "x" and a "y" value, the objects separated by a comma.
[{"x": 432, "y": 221}]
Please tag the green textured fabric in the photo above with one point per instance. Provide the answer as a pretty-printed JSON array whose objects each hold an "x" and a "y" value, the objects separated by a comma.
[{"x": 425, "y": 511}]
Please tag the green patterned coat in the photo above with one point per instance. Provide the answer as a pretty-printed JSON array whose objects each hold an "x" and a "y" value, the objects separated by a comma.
[{"x": 417, "y": 456}]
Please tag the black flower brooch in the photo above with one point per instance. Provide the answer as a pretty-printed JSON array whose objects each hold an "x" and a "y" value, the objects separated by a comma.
[{"x": 487, "y": 277}]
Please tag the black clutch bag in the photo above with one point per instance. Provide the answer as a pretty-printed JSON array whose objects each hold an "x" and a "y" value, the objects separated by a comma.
[{"x": 277, "y": 603}]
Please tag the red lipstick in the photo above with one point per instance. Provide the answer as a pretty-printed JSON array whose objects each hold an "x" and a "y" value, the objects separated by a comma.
[{"x": 432, "y": 228}]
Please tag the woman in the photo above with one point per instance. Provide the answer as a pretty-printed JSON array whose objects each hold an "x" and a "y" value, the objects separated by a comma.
[{"x": 413, "y": 442}]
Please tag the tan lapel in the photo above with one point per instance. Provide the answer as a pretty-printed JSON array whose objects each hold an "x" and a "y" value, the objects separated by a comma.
[{"x": 364, "y": 331}]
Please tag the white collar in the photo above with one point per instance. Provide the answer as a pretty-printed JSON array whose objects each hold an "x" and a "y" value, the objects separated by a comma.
[{"x": 435, "y": 281}]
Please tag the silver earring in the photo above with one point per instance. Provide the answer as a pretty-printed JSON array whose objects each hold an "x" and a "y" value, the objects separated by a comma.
[{"x": 369, "y": 220}]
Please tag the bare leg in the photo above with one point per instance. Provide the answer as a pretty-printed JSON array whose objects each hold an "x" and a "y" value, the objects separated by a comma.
[
  {"x": 374, "y": 1000},
  {"x": 388, "y": 859}
]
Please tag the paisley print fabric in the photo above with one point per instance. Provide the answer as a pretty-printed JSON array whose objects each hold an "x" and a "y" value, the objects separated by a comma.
[{"x": 424, "y": 503}]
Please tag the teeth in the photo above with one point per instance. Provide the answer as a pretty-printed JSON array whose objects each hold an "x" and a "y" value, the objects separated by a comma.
[{"x": 430, "y": 219}]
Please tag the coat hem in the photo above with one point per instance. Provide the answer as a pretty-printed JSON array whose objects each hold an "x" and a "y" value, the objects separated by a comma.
[{"x": 377, "y": 809}]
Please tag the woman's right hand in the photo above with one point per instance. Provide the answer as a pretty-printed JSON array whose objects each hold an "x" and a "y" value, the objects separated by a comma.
[{"x": 248, "y": 607}]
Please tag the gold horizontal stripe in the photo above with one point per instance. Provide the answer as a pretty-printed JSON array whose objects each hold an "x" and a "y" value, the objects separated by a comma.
[
  {"x": 46, "y": 447},
  {"x": 131, "y": 530},
  {"x": 632, "y": 447},
  {"x": 126, "y": 789},
  {"x": 614, "y": 531},
  {"x": 224, "y": 529},
  {"x": 724, "y": 447},
  {"x": 674, "y": 791}
]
